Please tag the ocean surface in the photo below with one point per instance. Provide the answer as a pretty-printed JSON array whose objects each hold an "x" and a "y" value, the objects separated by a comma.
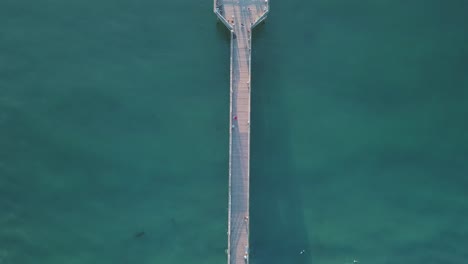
[{"x": 114, "y": 122}]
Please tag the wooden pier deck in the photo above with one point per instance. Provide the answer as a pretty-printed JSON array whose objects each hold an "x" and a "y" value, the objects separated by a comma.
[{"x": 240, "y": 17}]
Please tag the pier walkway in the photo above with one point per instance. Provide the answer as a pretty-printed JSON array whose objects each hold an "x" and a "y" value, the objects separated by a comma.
[{"x": 240, "y": 17}]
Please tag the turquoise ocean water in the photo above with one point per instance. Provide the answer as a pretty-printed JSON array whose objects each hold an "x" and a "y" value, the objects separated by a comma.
[{"x": 114, "y": 121}]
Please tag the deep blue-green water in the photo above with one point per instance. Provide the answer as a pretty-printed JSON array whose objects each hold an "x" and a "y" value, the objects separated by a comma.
[{"x": 114, "y": 121}]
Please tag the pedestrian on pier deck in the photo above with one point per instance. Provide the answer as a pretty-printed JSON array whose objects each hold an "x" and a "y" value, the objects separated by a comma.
[{"x": 235, "y": 117}]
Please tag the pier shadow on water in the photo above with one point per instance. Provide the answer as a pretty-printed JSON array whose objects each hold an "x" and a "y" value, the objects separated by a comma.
[{"x": 278, "y": 232}]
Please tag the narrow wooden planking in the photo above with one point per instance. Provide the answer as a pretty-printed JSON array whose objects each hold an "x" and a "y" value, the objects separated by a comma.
[{"x": 240, "y": 17}]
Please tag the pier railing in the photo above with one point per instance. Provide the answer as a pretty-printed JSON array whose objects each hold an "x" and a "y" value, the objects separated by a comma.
[
  {"x": 217, "y": 8},
  {"x": 230, "y": 147}
]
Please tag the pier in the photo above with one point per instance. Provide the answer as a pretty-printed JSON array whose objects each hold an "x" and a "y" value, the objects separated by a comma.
[{"x": 240, "y": 17}]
